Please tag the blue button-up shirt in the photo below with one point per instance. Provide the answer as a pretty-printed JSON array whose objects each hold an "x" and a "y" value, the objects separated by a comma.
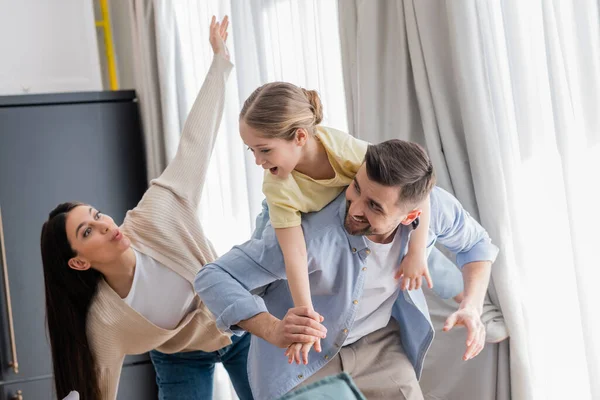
[{"x": 251, "y": 279}]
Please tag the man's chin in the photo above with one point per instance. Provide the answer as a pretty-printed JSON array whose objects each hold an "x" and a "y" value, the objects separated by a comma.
[{"x": 355, "y": 229}]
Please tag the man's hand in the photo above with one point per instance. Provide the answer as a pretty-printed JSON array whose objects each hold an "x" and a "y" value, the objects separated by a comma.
[
  {"x": 218, "y": 36},
  {"x": 298, "y": 326},
  {"x": 469, "y": 317},
  {"x": 413, "y": 269}
]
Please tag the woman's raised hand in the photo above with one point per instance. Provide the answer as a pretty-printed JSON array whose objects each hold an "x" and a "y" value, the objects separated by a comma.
[{"x": 218, "y": 36}]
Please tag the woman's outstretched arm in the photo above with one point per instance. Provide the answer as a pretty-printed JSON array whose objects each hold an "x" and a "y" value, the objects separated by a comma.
[{"x": 185, "y": 174}]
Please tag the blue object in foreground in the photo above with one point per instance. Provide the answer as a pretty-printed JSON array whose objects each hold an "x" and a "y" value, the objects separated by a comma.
[{"x": 336, "y": 387}]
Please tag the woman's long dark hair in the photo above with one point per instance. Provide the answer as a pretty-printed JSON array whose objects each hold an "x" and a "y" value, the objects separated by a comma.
[{"x": 69, "y": 294}]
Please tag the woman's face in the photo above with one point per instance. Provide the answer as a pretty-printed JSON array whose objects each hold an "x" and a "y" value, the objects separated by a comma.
[{"x": 94, "y": 237}]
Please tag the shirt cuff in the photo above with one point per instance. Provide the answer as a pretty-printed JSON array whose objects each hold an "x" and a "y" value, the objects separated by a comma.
[
  {"x": 482, "y": 251},
  {"x": 223, "y": 62},
  {"x": 241, "y": 310}
]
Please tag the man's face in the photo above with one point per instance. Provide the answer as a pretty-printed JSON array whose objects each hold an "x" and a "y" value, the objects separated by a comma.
[{"x": 374, "y": 210}]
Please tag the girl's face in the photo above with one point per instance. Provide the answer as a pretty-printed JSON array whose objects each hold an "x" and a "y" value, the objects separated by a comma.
[{"x": 279, "y": 156}]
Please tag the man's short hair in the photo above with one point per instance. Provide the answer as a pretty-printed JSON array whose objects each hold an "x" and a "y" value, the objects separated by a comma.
[{"x": 404, "y": 164}]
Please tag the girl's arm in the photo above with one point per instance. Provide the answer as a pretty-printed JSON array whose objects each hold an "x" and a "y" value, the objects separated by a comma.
[
  {"x": 293, "y": 246},
  {"x": 414, "y": 265}
]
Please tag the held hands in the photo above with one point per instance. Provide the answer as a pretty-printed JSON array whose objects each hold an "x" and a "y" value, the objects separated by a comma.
[
  {"x": 300, "y": 325},
  {"x": 413, "y": 269},
  {"x": 302, "y": 330},
  {"x": 470, "y": 318},
  {"x": 218, "y": 36}
]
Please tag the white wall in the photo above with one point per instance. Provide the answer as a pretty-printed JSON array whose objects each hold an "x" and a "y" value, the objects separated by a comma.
[{"x": 48, "y": 46}]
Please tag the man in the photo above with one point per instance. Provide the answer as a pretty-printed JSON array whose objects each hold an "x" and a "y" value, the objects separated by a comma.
[{"x": 370, "y": 329}]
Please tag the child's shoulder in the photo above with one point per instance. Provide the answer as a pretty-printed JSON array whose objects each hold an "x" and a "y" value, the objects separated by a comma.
[
  {"x": 342, "y": 145},
  {"x": 331, "y": 134}
]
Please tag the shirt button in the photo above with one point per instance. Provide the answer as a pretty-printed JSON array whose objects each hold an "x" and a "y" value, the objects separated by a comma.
[
  {"x": 327, "y": 357},
  {"x": 355, "y": 302},
  {"x": 345, "y": 330},
  {"x": 364, "y": 268},
  {"x": 354, "y": 249},
  {"x": 300, "y": 376},
  {"x": 368, "y": 251}
]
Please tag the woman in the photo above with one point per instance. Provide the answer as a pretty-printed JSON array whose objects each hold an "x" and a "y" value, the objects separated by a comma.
[{"x": 113, "y": 291}]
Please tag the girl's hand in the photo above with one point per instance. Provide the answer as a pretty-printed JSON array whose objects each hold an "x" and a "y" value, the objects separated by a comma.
[
  {"x": 218, "y": 36},
  {"x": 413, "y": 269},
  {"x": 298, "y": 352}
]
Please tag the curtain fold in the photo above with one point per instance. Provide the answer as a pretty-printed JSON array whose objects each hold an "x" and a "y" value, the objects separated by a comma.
[
  {"x": 507, "y": 95},
  {"x": 143, "y": 34}
]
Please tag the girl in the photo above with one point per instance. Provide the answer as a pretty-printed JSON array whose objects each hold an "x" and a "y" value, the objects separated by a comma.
[
  {"x": 306, "y": 167},
  {"x": 113, "y": 291}
]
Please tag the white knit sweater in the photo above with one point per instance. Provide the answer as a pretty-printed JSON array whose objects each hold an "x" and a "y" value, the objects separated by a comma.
[{"x": 165, "y": 226}]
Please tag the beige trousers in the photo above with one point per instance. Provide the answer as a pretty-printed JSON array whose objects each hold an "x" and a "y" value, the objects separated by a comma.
[{"x": 377, "y": 364}]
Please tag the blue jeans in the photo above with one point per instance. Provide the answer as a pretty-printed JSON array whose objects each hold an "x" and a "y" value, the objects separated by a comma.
[{"x": 189, "y": 376}]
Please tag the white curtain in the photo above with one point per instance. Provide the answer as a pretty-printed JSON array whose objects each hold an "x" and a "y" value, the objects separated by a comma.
[
  {"x": 505, "y": 95},
  {"x": 287, "y": 40},
  {"x": 269, "y": 40}
]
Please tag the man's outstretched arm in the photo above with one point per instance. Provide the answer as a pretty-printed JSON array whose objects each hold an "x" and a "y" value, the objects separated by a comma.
[
  {"x": 475, "y": 253},
  {"x": 225, "y": 287}
]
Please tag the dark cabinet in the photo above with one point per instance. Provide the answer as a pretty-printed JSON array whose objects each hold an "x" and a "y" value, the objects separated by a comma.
[
  {"x": 54, "y": 148},
  {"x": 40, "y": 389},
  {"x": 137, "y": 382}
]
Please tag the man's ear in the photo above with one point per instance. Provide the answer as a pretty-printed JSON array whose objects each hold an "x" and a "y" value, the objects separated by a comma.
[
  {"x": 79, "y": 264},
  {"x": 411, "y": 216},
  {"x": 301, "y": 136}
]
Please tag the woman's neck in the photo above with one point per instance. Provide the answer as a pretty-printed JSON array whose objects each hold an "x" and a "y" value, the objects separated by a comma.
[
  {"x": 119, "y": 274},
  {"x": 314, "y": 161}
]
